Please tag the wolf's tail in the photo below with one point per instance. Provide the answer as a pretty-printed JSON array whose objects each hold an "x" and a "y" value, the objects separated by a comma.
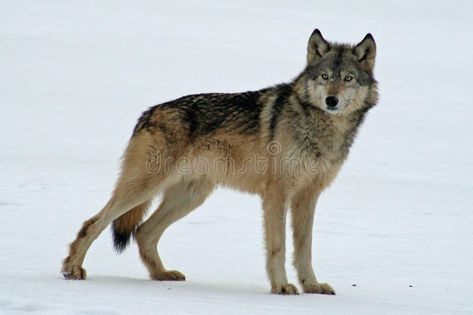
[{"x": 125, "y": 225}]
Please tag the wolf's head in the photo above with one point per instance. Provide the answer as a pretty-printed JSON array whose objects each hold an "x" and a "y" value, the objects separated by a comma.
[{"x": 338, "y": 78}]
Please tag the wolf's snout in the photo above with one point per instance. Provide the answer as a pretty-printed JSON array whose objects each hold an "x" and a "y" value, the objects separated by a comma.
[{"x": 331, "y": 101}]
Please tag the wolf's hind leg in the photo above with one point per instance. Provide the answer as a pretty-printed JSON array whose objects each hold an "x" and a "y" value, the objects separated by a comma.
[
  {"x": 136, "y": 186},
  {"x": 178, "y": 201},
  {"x": 123, "y": 199},
  {"x": 145, "y": 171}
]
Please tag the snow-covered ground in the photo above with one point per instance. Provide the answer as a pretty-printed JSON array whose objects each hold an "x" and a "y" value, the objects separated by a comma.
[{"x": 397, "y": 223}]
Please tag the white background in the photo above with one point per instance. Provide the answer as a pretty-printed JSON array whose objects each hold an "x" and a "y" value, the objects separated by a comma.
[{"x": 397, "y": 222}]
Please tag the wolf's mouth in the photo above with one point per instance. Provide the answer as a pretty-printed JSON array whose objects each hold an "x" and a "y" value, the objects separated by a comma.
[{"x": 333, "y": 111}]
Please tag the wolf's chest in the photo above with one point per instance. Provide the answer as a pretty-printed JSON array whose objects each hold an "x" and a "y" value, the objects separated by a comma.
[
  {"x": 327, "y": 150},
  {"x": 310, "y": 160}
]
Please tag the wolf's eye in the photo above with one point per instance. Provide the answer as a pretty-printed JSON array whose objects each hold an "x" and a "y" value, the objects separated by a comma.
[
  {"x": 348, "y": 78},
  {"x": 324, "y": 76}
]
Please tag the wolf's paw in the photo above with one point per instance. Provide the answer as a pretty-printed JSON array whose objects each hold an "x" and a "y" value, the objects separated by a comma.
[
  {"x": 169, "y": 275},
  {"x": 319, "y": 288},
  {"x": 74, "y": 273},
  {"x": 285, "y": 289}
]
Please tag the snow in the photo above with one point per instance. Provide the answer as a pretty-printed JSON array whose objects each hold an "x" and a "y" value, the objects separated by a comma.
[{"x": 397, "y": 222}]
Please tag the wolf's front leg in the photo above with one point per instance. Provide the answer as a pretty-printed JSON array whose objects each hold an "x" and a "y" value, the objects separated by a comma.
[
  {"x": 303, "y": 208},
  {"x": 275, "y": 210}
]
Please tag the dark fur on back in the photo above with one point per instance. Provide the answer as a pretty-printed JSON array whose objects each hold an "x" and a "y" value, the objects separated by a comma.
[{"x": 205, "y": 113}]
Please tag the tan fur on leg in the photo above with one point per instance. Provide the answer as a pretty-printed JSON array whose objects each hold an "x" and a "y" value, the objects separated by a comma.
[
  {"x": 178, "y": 201},
  {"x": 275, "y": 211},
  {"x": 303, "y": 208}
]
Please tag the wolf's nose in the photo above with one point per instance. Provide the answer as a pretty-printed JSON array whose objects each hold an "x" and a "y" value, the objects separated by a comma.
[{"x": 331, "y": 101}]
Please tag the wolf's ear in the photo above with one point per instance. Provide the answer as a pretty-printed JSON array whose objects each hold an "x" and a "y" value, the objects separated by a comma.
[
  {"x": 317, "y": 47},
  {"x": 365, "y": 51}
]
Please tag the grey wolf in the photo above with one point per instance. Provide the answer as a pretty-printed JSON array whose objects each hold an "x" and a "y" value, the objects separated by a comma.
[{"x": 285, "y": 143}]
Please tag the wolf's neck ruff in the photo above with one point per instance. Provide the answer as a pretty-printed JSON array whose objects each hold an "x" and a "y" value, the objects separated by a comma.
[{"x": 316, "y": 130}]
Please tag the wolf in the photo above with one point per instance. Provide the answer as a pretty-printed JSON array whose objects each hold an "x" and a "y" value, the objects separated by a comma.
[{"x": 285, "y": 143}]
